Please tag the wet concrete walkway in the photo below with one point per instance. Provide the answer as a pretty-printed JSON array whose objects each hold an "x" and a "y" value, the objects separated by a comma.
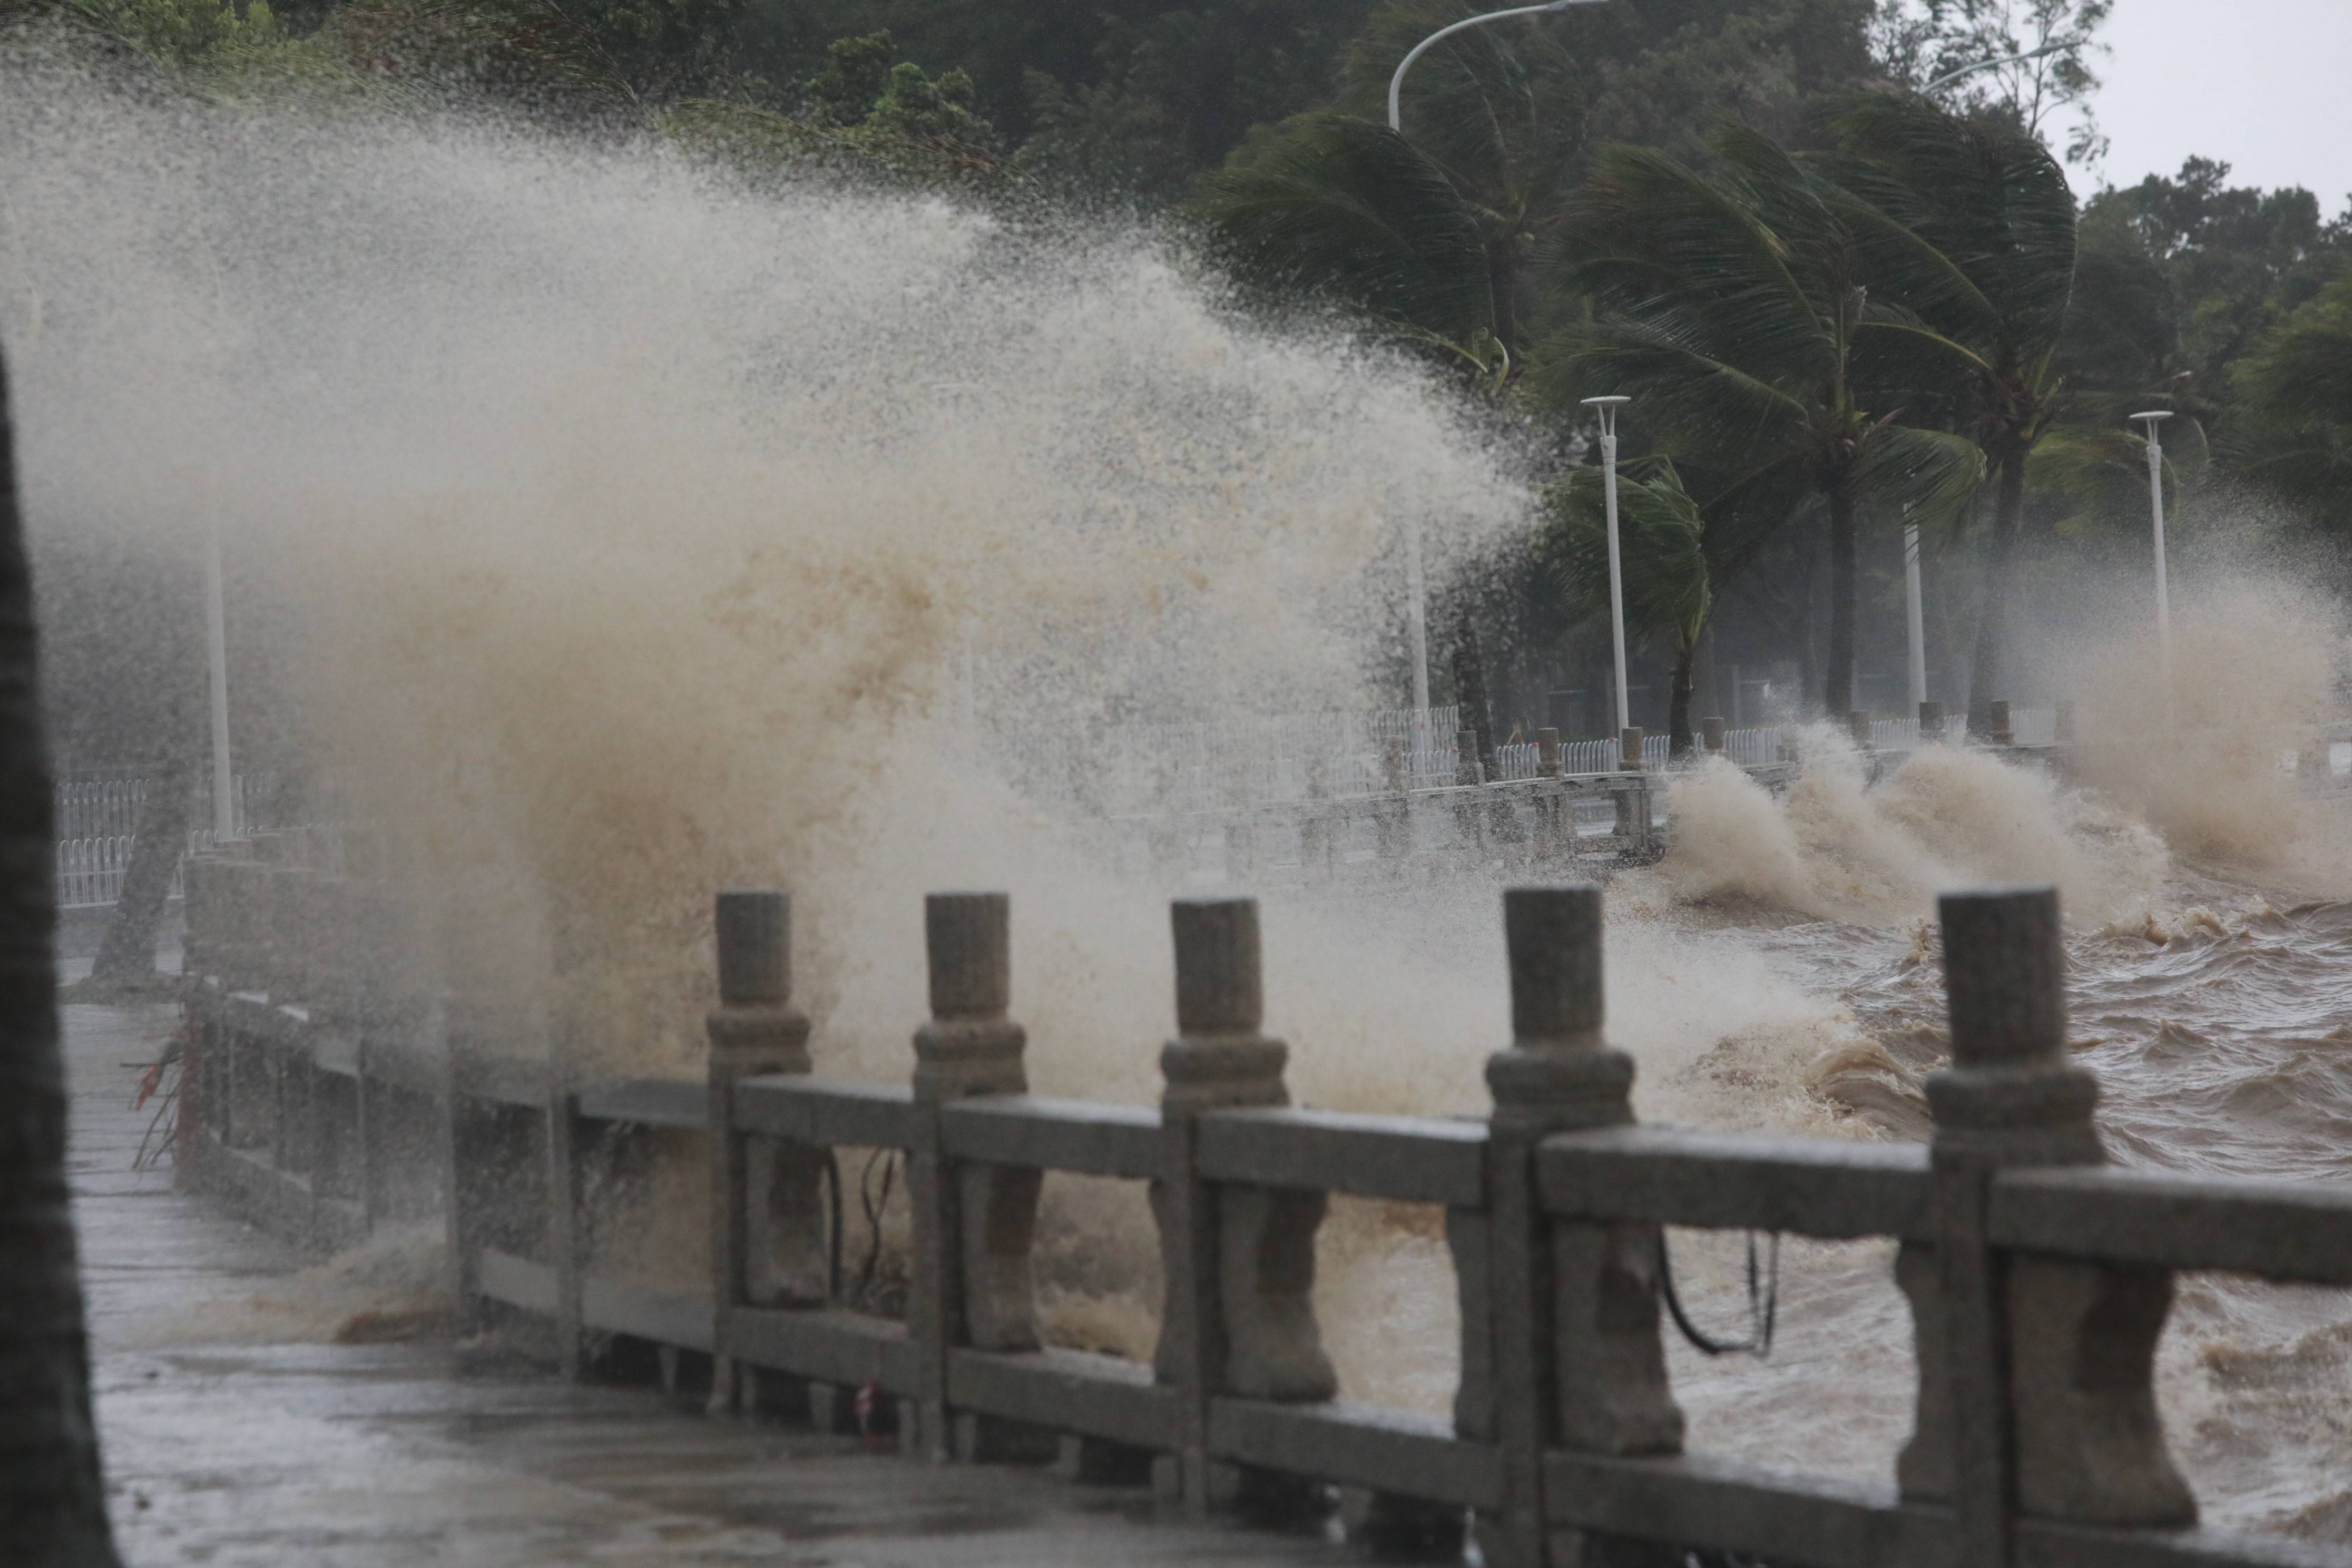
[{"x": 226, "y": 1449}]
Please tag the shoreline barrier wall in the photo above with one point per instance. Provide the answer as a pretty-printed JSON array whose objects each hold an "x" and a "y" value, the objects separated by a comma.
[{"x": 323, "y": 1100}]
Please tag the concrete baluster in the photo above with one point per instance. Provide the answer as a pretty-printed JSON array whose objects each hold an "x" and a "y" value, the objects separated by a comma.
[
  {"x": 1555, "y": 827},
  {"x": 768, "y": 1227},
  {"x": 1569, "y": 1353},
  {"x": 1240, "y": 1262},
  {"x": 973, "y": 1224},
  {"x": 2035, "y": 1391}
]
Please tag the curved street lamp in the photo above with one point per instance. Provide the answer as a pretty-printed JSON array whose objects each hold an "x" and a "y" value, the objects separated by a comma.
[
  {"x": 1416, "y": 588},
  {"x": 1948, "y": 78},
  {"x": 1396, "y": 82}
]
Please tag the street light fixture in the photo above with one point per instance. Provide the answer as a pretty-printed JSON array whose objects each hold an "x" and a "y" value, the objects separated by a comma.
[
  {"x": 1607, "y": 407},
  {"x": 1416, "y": 588}
]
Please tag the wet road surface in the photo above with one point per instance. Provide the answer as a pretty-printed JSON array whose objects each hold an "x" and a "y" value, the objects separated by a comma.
[{"x": 223, "y": 1447}]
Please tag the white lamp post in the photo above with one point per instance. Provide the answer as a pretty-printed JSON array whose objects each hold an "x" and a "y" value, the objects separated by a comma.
[
  {"x": 216, "y": 663},
  {"x": 1418, "y": 615},
  {"x": 1607, "y": 408},
  {"x": 1914, "y": 616},
  {"x": 2154, "y": 420}
]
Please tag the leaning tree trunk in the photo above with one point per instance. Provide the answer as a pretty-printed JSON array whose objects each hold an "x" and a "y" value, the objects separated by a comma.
[
  {"x": 127, "y": 952},
  {"x": 1986, "y": 674},
  {"x": 1470, "y": 690},
  {"x": 52, "y": 1500},
  {"x": 1678, "y": 725},
  {"x": 1837, "y": 682}
]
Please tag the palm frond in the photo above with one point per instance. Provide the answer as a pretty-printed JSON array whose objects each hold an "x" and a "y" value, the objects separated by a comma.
[
  {"x": 1344, "y": 207},
  {"x": 1661, "y": 548},
  {"x": 1650, "y": 239},
  {"x": 1923, "y": 476}
]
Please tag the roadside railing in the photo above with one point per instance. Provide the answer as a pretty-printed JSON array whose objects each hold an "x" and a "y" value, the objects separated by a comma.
[{"x": 322, "y": 1082}]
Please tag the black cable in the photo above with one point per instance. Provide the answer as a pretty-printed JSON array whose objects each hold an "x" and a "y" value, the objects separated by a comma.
[
  {"x": 1763, "y": 1303},
  {"x": 873, "y": 1207},
  {"x": 833, "y": 1237}
]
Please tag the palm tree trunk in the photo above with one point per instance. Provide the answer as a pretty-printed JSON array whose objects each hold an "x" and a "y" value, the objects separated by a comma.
[
  {"x": 1986, "y": 676},
  {"x": 1837, "y": 681},
  {"x": 52, "y": 1498},
  {"x": 1678, "y": 721}
]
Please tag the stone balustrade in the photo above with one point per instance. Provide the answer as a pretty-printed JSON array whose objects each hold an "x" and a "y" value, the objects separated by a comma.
[{"x": 2039, "y": 1275}]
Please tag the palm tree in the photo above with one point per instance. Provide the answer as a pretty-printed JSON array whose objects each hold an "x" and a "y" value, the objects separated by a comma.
[
  {"x": 1967, "y": 235},
  {"x": 1433, "y": 231},
  {"x": 1663, "y": 560},
  {"x": 52, "y": 1500},
  {"x": 1735, "y": 311}
]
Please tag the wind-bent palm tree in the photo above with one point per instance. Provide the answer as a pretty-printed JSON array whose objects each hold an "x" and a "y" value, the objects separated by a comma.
[
  {"x": 52, "y": 1500},
  {"x": 1433, "y": 231},
  {"x": 1663, "y": 560},
  {"x": 1966, "y": 233},
  {"x": 1736, "y": 311}
]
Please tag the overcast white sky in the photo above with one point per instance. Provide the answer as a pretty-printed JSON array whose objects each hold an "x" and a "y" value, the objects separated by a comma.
[{"x": 2264, "y": 84}]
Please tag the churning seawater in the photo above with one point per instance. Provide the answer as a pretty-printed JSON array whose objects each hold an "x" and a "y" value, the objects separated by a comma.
[{"x": 607, "y": 531}]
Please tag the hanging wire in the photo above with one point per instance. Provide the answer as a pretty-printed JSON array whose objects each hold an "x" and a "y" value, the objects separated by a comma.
[
  {"x": 832, "y": 1235},
  {"x": 1763, "y": 1302},
  {"x": 873, "y": 1204}
]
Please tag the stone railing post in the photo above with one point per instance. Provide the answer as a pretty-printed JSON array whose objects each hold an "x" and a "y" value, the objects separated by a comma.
[
  {"x": 1857, "y": 724},
  {"x": 2064, "y": 732},
  {"x": 1560, "y": 1341},
  {"x": 1239, "y": 1262},
  {"x": 1713, "y": 731},
  {"x": 1931, "y": 722},
  {"x": 1629, "y": 749},
  {"x": 972, "y": 1223},
  {"x": 2002, "y": 735},
  {"x": 771, "y": 1253},
  {"x": 2035, "y": 1392},
  {"x": 1555, "y": 822}
]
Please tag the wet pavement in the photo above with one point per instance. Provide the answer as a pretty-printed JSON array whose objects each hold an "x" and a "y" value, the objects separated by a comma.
[{"x": 233, "y": 1440}]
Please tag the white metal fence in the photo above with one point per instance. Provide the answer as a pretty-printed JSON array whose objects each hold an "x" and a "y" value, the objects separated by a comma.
[{"x": 97, "y": 827}]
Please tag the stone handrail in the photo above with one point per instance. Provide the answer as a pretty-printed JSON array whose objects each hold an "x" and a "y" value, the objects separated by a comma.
[{"x": 2039, "y": 1276}]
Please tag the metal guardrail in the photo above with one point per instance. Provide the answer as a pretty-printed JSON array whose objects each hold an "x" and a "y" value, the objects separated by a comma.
[{"x": 2039, "y": 1276}]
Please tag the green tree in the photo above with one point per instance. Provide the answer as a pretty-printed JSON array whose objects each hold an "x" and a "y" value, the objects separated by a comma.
[
  {"x": 1735, "y": 311},
  {"x": 52, "y": 1498},
  {"x": 1923, "y": 41},
  {"x": 1662, "y": 562},
  {"x": 2183, "y": 274},
  {"x": 1967, "y": 234},
  {"x": 2292, "y": 431}
]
